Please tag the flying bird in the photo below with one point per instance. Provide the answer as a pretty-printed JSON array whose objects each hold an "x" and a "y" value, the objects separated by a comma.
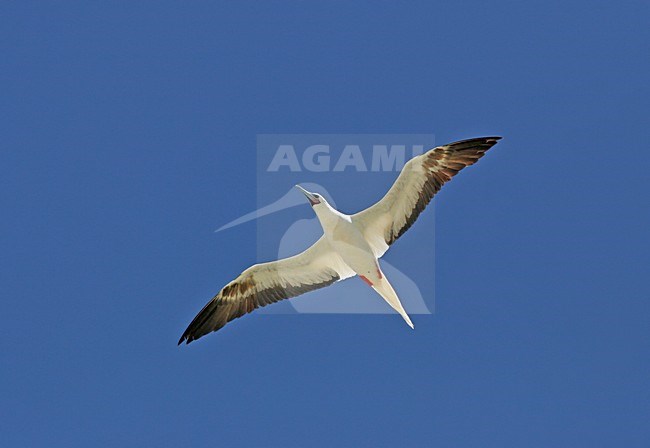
[{"x": 351, "y": 244}]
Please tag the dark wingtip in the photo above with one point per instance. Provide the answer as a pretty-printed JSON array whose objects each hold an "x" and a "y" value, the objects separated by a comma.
[
  {"x": 474, "y": 143},
  {"x": 185, "y": 338},
  {"x": 478, "y": 140},
  {"x": 491, "y": 140}
]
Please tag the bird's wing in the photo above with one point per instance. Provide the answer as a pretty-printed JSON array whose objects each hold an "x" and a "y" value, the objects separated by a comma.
[
  {"x": 419, "y": 181},
  {"x": 266, "y": 283}
]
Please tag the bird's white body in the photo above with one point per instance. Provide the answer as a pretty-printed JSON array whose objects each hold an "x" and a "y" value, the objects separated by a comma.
[
  {"x": 351, "y": 244},
  {"x": 346, "y": 238}
]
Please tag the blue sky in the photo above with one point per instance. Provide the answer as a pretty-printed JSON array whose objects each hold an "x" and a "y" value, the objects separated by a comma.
[{"x": 128, "y": 135}]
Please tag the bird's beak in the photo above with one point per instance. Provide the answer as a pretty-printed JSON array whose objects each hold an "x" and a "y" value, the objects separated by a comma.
[{"x": 313, "y": 200}]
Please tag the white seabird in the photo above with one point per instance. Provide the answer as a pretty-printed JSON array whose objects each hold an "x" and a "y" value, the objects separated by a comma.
[{"x": 351, "y": 244}]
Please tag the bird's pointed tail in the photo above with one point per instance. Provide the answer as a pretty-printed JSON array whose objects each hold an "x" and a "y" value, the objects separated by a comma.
[{"x": 385, "y": 289}]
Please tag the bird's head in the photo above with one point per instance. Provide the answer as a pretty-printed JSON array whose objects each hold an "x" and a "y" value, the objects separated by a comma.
[{"x": 315, "y": 199}]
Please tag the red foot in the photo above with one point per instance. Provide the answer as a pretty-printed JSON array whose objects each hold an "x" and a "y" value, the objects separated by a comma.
[{"x": 366, "y": 280}]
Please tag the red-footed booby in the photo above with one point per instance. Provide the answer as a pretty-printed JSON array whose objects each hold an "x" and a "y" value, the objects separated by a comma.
[{"x": 351, "y": 244}]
